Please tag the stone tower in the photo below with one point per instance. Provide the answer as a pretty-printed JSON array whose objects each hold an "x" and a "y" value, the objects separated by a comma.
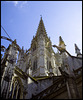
[{"x": 42, "y": 54}]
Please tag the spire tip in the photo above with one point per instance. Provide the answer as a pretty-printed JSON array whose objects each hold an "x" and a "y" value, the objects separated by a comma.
[{"x": 41, "y": 16}]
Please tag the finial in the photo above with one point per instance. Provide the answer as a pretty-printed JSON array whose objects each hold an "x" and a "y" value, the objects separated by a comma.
[
  {"x": 41, "y": 16},
  {"x": 14, "y": 41},
  {"x": 60, "y": 38}
]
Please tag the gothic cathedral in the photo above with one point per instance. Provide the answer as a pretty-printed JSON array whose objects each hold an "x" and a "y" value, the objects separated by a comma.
[{"x": 39, "y": 72}]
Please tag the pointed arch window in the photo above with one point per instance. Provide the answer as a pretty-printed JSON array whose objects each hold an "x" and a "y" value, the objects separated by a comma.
[
  {"x": 15, "y": 91},
  {"x": 49, "y": 66},
  {"x": 35, "y": 65}
]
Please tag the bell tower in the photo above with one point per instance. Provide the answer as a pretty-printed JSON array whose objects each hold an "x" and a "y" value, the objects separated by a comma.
[{"x": 41, "y": 52}]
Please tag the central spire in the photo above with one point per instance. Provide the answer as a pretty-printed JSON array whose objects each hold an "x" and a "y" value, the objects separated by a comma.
[{"x": 41, "y": 27}]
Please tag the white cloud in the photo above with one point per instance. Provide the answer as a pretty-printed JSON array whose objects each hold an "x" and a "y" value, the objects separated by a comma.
[
  {"x": 15, "y": 2},
  {"x": 19, "y": 4},
  {"x": 23, "y": 3}
]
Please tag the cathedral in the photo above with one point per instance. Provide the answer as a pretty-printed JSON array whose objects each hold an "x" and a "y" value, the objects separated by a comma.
[{"x": 39, "y": 72}]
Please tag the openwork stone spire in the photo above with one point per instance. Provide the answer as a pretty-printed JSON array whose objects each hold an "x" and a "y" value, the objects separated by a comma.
[{"x": 41, "y": 28}]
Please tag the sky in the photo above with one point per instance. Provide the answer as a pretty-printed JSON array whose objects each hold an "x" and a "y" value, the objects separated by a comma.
[{"x": 61, "y": 18}]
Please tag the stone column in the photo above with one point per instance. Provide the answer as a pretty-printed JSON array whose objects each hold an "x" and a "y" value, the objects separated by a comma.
[
  {"x": 2, "y": 87},
  {"x": 17, "y": 91},
  {"x": 8, "y": 90}
]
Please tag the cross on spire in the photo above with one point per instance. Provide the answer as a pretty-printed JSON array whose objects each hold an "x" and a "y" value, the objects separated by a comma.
[{"x": 41, "y": 16}]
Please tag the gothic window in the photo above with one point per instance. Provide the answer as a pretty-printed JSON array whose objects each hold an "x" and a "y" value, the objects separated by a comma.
[
  {"x": 47, "y": 64},
  {"x": 15, "y": 91},
  {"x": 35, "y": 65},
  {"x": 28, "y": 65},
  {"x": 30, "y": 62},
  {"x": 50, "y": 65}
]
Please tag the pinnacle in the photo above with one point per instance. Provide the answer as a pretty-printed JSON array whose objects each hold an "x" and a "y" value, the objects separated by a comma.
[
  {"x": 76, "y": 47},
  {"x": 61, "y": 41}
]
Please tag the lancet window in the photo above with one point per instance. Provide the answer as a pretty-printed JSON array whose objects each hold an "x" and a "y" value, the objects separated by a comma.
[
  {"x": 35, "y": 65},
  {"x": 15, "y": 91},
  {"x": 48, "y": 65}
]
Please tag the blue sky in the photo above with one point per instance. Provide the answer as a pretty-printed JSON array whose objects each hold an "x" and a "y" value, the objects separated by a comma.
[{"x": 61, "y": 18}]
